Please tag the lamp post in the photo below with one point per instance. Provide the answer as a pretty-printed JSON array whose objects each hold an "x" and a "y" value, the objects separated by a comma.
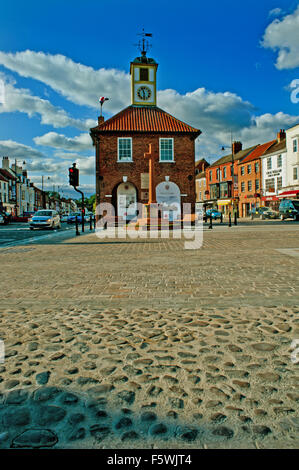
[
  {"x": 232, "y": 211},
  {"x": 43, "y": 194},
  {"x": 17, "y": 181}
]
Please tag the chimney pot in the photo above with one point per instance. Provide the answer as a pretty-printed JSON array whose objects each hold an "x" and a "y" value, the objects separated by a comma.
[
  {"x": 281, "y": 135},
  {"x": 237, "y": 147}
]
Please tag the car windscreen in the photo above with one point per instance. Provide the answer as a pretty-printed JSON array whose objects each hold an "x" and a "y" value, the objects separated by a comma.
[{"x": 44, "y": 214}]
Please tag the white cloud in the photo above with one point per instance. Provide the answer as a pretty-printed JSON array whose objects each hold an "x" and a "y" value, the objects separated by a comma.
[
  {"x": 283, "y": 36},
  {"x": 17, "y": 99},
  {"x": 16, "y": 150},
  {"x": 275, "y": 12},
  {"x": 265, "y": 127},
  {"x": 78, "y": 83},
  {"x": 60, "y": 141},
  {"x": 216, "y": 114}
]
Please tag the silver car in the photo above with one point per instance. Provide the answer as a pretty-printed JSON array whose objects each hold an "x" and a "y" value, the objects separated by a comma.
[{"x": 45, "y": 218}]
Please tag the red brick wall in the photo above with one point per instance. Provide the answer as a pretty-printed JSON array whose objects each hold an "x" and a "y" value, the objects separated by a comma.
[
  {"x": 178, "y": 172},
  {"x": 214, "y": 175},
  {"x": 248, "y": 196}
]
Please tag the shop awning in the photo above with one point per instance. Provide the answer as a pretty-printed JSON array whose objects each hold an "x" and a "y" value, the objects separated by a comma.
[
  {"x": 292, "y": 193},
  {"x": 224, "y": 202},
  {"x": 270, "y": 198}
]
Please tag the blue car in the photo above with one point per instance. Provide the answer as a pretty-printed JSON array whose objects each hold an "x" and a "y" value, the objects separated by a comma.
[
  {"x": 72, "y": 217},
  {"x": 215, "y": 214}
]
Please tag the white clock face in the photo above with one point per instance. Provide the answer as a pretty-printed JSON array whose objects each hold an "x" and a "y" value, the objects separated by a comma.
[{"x": 144, "y": 93}]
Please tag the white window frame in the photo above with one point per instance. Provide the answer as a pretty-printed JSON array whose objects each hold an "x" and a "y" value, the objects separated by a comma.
[
  {"x": 122, "y": 160},
  {"x": 269, "y": 163},
  {"x": 166, "y": 161},
  {"x": 295, "y": 145}
]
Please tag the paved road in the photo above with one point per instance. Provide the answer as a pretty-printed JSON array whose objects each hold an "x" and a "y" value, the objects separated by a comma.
[
  {"x": 19, "y": 234},
  {"x": 197, "y": 340}
]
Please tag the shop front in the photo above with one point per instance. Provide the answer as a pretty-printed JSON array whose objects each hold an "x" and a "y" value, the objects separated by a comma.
[
  {"x": 271, "y": 201},
  {"x": 224, "y": 206}
]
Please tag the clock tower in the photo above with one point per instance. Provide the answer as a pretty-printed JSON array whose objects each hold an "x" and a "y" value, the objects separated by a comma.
[{"x": 143, "y": 72}]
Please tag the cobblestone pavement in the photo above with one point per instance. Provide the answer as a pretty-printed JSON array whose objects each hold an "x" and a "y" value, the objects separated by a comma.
[{"x": 121, "y": 343}]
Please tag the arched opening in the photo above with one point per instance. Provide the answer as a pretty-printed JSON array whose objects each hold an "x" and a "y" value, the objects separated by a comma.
[
  {"x": 124, "y": 199},
  {"x": 168, "y": 196}
]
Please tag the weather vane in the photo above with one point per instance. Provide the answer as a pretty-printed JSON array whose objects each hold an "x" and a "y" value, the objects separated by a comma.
[{"x": 144, "y": 45}]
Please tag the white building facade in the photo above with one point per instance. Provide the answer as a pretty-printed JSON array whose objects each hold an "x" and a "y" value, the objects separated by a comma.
[
  {"x": 291, "y": 188},
  {"x": 274, "y": 172}
]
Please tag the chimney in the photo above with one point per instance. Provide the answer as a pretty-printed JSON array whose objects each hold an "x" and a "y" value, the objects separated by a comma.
[
  {"x": 25, "y": 173},
  {"x": 236, "y": 147},
  {"x": 101, "y": 120},
  {"x": 5, "y": 163},
  {"x": 281, "y": 135}
]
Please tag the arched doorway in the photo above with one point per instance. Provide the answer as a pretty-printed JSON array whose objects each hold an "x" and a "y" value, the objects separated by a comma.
[
  {"x": 168, "y": 195},
  {"x": 126, "y": 200}
]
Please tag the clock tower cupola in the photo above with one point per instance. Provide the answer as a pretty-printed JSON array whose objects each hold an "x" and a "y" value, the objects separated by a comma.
[{"x": 143, "y": 72}]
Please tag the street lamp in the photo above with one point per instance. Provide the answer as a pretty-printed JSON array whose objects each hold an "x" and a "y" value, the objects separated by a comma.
[
  {"x": 17, "y": 181},
  {"x": 233, "y": 183},
  {"x": 43, "y": 194}
]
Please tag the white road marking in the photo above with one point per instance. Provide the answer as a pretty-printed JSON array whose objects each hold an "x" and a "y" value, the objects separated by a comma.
[{"x": 294, "y": 252}]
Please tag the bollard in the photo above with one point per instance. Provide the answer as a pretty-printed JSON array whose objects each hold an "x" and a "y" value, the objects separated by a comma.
[
  {"x": 221, "y": 218},
  {"x": 235, "y": 219},
  {"x": 94, "y": 221},
  {"x": 229, "y": 220},
  {"x": 90, "y": 223},
  {"x": 77, "y": 230},
  {"x": 211, "y": 223}
]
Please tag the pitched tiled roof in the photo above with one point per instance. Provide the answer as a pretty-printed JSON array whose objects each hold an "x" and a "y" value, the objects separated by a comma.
[
  {"x": 258, "y": 152},
  {"x": 277, "y": 147},
  {"x": 144, "y": 119},
  {"x": 3, "y": 179},
  {"x": 237, "y": 156},
  {"x": 7, "y": 174}
]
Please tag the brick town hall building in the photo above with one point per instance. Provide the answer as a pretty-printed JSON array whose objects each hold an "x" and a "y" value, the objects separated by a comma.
[{"x": 122, "y": 170}]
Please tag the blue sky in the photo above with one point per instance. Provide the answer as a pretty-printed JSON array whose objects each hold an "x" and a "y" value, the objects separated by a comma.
[{"x": 222, "y": 66}]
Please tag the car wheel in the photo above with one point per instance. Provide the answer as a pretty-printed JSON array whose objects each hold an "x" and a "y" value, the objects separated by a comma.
[{"x": 59, "y": 226}]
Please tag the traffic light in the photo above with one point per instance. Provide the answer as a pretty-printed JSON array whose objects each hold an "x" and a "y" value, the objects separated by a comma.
[{"x": 74, "y": 176}]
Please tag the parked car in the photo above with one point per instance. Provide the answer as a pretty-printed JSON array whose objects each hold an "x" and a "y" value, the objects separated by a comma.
[
  {"x": 6, "y": 216},
  {"x": 45, "y": 218},
  {"x": 87, "y": 216},
  {"x": 270, "y": 214},
  {"x": 1, "y": 219},
  {"x": 289, "y": 209},
  {"x": 63, "y": 218},
  {"x": 28, "y": 214},
  {"x": 72, "y": 217},
  {"x": 264, "y": 213},
  {"x": 214, "y": 213}
]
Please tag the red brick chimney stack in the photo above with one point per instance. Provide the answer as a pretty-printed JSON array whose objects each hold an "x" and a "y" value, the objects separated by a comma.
[
  {"x": 101, "y": 120},
  {"x": 236, "y": 147},
  {"x": 281, "y": 135}
]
